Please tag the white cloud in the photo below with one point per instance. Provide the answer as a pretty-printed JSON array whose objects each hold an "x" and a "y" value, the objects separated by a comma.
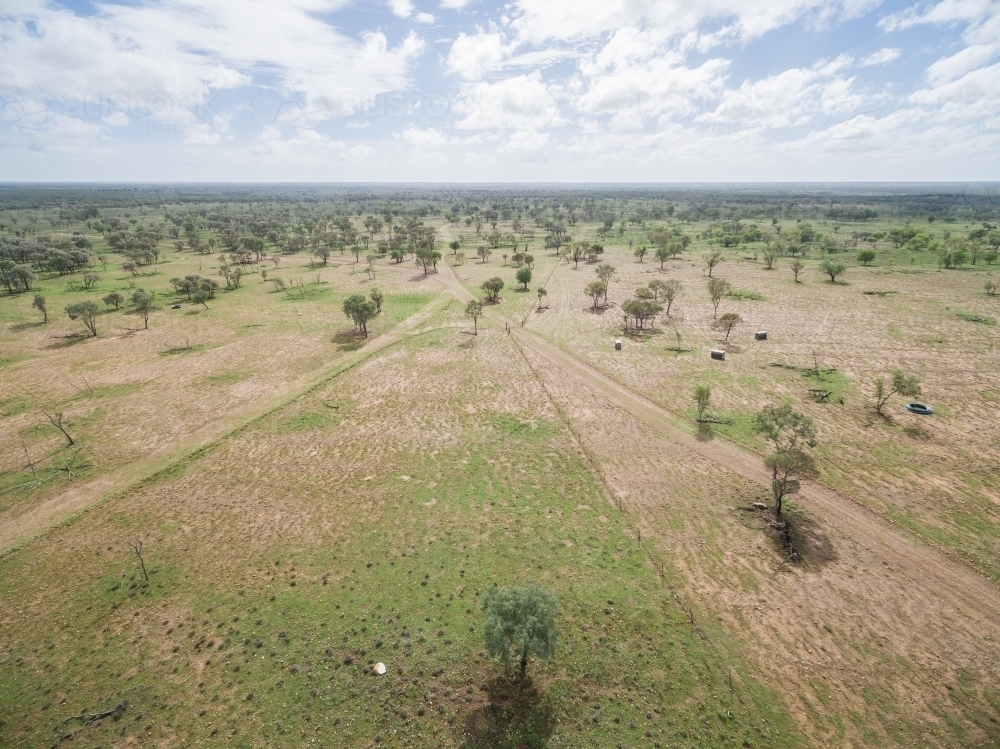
[
  {"x": 523, "y": 102},
  {"x": 401, "y": 8},
  {"x": 472, "y": 56},
  {"x": 116, "y": 119},
  {"x": 165, "y": 57},
  {"x": 424, "y": 18},
  {"x": 951, "y": 68},
  {"x": 454, "y": 4},
  {"x": 423, "y": 137},
  {"x": 882, "y": 57},
  {"x": 540, "y": 20}
]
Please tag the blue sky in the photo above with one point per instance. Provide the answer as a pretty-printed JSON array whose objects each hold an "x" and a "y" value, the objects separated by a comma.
[{"x": 528, "y": 90}]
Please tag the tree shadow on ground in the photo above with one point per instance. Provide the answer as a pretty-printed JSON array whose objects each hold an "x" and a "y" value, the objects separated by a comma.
[
  {"x": 25, "y": 325},
  {"x": 705, "y": 433},
  {"x": 69, "y": 340},
  {"x": 349, "y": 340},
  {"x": 814, "y": 547},
  {"x": 517, "y": 716}
]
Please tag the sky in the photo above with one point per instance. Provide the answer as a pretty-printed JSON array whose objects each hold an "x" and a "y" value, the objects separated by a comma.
[{"x": 480, "y": 91}]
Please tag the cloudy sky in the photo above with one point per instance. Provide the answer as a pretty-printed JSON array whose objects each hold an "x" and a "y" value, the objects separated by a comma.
[{"x": 475, "y": 90}]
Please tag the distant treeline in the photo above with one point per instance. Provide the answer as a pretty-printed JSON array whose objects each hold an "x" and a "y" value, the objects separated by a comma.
[{"x": 846, "y": 203}]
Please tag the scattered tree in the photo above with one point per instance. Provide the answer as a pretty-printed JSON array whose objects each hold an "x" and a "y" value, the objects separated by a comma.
[
  {"x": 866, "y": 257},
  {"x": 797, "y": 267},
  {"x": 640, "y": 252},
  {"x": 832, "y": 268},
  {"x": 728, "y": 321},
  {"x": 784, "y": 427},
  {"x": 770, "y": 254},
  {"x": 991, "y": 287},
  {"x": 607, "y": 274},
  {"x": 484, "y": 253},
  {"x": 377, "y": 298},
  {"x": 670, "y": 290},
  {"x": 595, "y": 290},
  {"x": 200, "y": 297},
  {"x": 85, "y": 312},
  {"x": 523, "y": 276},
  {"x": 717, "y": 288},
  {"x": 908, "y": 387},
  {"x": 39, "y": 304},
  {"x": 713, "y": 260},
  {"x": 789, "y": 432},
  {"x": 702, "y": 396},
  {"x": 427, "y": 258},
  {"x": 661, "y": 254},
  {"x": 788, "y": 468},
  {"x": 492, "y": 287},
  {"x": 542, "y": 293},
  {"x": 360, "y": 310},
  {"x": 114, "y": 298},
  {"x": 144, "y": 303},
  {"x": 474, "y": 309},
  {"x": 520, "y": 623}
]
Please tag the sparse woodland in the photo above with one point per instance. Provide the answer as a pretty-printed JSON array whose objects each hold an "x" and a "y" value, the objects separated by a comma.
[{"x": 255, "y": 442}]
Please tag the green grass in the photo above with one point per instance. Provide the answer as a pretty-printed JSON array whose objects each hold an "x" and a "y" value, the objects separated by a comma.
[
  {"x": 272, "y": 645},
  {"x": 977, "y": 318}
]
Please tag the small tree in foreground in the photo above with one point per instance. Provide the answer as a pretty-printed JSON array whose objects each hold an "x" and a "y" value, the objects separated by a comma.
[
  {"x": 789, "y": 432},
  {"x": 542, "y": 293},
  {"x": 727, "y": 322},
  {"x": 901, "y": 384},
  {"x": 85, "y": 312},
  {"x": 788, "y": 468},
  {"x": 39, "y": 304},
  {"x": 717, "y": 288},
  {"x": 991, "y": 287},
  {"x": 797, "y": 267},
  {"x": 832, "y": 268},
  {"x": 144, "y": 303},
  {"x": 702, "y": 396},
  {"x": 360, "y": 310},
  {"x": 474, "y": 310},
  {"x": 520, "y": 623}
]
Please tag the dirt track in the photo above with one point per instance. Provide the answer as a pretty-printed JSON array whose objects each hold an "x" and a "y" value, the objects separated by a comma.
[
  {"x": 80, "y": 496},
  {"x": 927, "y": 566}
]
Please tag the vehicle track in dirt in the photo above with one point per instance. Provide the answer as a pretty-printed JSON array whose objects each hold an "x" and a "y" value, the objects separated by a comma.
[
  {"x": 78, "y": 497},
  {"x": 952, "y": 580}
]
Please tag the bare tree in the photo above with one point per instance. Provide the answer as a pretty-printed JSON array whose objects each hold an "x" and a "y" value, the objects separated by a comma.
[
  {"x": 137, "y": 548},
  {"x": 57, "y": 421}
]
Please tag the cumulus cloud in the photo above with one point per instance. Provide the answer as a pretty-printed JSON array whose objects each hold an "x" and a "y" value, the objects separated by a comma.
[
  {"x": 473, "y": 55},
  {"x": 882, "y": 57},
  {"x": 165, "y": 57}
]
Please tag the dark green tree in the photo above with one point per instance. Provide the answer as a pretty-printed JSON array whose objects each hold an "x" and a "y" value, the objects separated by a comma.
[{"x": 523, "y": 276}]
